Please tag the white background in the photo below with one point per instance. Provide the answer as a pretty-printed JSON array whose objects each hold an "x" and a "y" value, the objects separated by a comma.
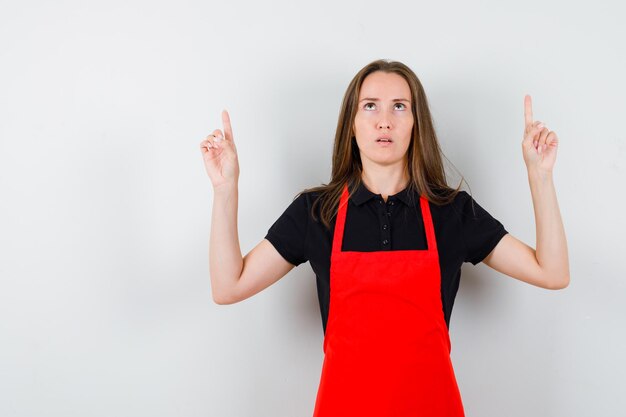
[{"x": 105, "y": 206}]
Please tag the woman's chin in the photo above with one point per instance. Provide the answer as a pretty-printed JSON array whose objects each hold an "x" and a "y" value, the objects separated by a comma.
[{"x": 385, "y": 159}]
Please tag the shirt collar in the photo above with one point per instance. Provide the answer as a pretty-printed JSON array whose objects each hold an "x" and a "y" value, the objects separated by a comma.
[{"x": 363, "y": 194}]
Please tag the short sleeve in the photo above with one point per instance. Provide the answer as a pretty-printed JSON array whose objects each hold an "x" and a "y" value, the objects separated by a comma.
[
  {"x": 481, "y": 231},
  {"x": 288, "y": 233}
]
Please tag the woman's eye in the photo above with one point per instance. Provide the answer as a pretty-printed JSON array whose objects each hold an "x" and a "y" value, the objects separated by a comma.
[{"x": 397, "y": 104}]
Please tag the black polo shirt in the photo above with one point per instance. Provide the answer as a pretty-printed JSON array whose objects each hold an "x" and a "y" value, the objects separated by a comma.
[{"x": 465, "y": 232}]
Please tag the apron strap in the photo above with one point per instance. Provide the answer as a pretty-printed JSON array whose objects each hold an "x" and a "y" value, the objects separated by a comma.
[
  {"x": 341, "y": 220},
  {"x": 428, "y": 225}
]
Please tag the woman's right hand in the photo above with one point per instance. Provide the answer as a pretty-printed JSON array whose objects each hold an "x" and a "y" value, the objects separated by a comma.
[{"x": 220, "y": 155}]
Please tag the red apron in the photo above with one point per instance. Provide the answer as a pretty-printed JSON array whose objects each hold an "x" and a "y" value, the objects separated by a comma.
[{"x": 386, "y": 346}]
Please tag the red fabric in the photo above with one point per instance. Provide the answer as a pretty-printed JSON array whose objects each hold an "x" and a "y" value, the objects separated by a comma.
[{"x": 386, "y": 346}]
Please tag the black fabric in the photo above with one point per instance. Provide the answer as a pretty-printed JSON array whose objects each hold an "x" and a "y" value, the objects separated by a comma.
[{"x": 465, "y": 232}]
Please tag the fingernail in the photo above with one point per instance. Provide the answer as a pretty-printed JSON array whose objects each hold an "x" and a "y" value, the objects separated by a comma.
[{"x": 540, "y": 125}]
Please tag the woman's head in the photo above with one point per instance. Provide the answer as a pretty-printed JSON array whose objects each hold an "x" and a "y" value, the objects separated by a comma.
[
  {"x": 362, "y": 120},
  {"x": 388, "y": 79}
]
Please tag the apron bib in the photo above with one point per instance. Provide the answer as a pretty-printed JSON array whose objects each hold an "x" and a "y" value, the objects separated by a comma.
[{"x": 386, "y": 346}]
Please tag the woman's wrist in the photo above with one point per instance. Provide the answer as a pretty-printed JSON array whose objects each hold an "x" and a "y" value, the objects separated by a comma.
[{"x": 539, "y": 175}]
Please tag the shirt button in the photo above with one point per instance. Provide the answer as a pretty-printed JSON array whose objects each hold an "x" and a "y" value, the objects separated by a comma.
[
  {"x": 380, "y": 201},
  {"x": 384, "y": 227},
  {"x": 391, "y": 203},
  {"x": 385, "y": 242},
  {"x": 388, "y": 213}
]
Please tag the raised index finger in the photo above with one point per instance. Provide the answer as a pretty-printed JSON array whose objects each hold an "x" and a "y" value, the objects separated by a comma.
[
  {"x": 528, "y": 110},
  {"x": 228, "y": 130}
]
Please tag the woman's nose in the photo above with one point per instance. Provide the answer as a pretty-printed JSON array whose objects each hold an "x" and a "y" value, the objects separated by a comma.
[{"x": 384, "y": 123}]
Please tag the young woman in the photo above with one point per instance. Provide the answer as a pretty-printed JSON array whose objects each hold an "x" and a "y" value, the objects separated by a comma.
[{"x": 386, "y": 239}]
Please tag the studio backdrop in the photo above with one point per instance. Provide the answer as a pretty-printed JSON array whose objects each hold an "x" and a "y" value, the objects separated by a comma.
[{"x": 105, "y": 206}]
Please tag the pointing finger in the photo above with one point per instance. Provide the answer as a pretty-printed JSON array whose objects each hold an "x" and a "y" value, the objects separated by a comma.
[
  {"x": 528, "y": 110},
  {"x": 228, "y": 130}
]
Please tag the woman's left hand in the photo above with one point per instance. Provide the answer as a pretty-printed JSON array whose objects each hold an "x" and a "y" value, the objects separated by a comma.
[{"x": 540, "y": 144}]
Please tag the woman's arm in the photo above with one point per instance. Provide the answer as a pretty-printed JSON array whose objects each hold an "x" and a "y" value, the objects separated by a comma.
[
  {"x": 233, "y": 277},
  {"x": 225, "y": 260},
  {"x": 548, "y": 265}
]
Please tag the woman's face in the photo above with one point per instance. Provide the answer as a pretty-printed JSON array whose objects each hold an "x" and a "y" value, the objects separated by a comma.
[{"x": 384, "y": 109}]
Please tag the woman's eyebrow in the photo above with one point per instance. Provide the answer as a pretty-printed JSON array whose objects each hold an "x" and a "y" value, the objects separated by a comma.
[{"x": 376, "y": 99}]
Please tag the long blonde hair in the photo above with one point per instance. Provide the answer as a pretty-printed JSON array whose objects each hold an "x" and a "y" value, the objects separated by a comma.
[{"x": 425, "y": 166}]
